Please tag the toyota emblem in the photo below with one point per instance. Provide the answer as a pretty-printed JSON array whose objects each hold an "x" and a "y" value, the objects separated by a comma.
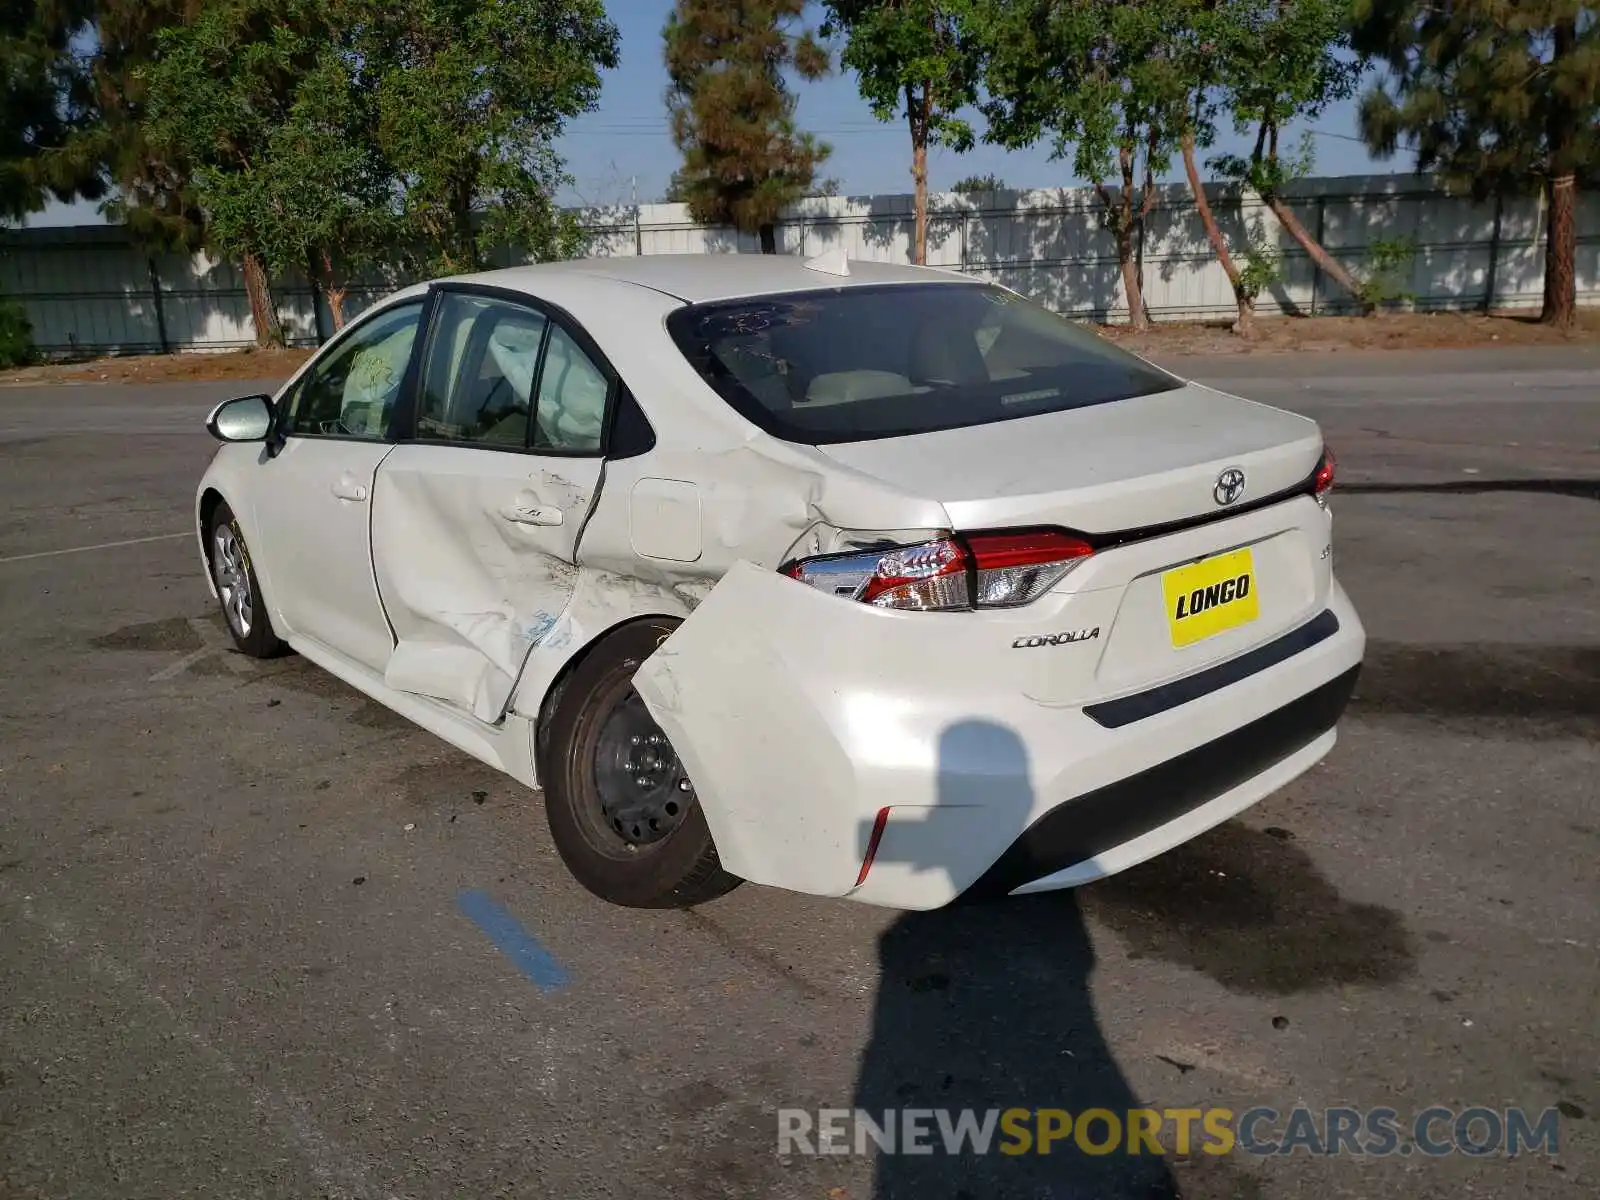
[{"x": 1230, "y": 486}]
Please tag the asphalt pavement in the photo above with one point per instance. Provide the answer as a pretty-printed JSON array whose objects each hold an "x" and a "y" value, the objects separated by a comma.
[{"x": 261, "y": 938}]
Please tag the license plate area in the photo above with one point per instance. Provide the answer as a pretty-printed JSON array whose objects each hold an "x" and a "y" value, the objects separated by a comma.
[{"x": 1210, "y": 597}]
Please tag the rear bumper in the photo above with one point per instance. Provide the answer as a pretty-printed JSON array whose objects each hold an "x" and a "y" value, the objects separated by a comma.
[
  {"x": 804, "y": 724},
  {"x": 1114, "y": 826},
  {"x": 1100, "y": 800}
]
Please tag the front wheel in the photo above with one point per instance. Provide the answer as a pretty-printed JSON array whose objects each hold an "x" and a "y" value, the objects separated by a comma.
[
  {"x": 238, "y": 589},
  {"x": 622, "y": 810}
]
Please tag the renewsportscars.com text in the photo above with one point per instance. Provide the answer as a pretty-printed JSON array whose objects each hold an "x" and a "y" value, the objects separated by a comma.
[{"x": 1432, "y": 1132}]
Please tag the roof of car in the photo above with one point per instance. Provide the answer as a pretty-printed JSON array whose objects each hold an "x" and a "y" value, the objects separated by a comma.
[{"x": 701, "y": 277}]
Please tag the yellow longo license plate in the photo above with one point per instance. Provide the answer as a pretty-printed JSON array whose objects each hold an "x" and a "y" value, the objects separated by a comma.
[{"x": 1211, "y": 596}]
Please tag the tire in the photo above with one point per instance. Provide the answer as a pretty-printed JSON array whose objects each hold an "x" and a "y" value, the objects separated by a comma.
[
  {"x": 238, "y": 589},
  {"x": 644, "y": 848}
]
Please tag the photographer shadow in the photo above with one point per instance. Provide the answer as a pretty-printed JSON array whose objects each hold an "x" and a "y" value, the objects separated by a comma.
[{"x": 986, "y": 1007}]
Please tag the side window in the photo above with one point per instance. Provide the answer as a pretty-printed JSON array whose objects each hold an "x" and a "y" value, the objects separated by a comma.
[
  {"x": 352, "y": 390},
  {"x": 572, "y": 398},
  {"x": 482, "y": 361}
]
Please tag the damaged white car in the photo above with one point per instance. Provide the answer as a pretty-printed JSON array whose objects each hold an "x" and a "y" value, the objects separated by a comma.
[{"x": 854, "y": 579}]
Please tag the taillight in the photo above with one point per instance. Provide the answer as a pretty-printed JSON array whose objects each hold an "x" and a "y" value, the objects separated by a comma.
[
  {"x": 932, "y": 575},
  {"x": 983, "y": 570},
  {"x": 1014, "y": 568},
  {"x": 1322, "y": 480}
]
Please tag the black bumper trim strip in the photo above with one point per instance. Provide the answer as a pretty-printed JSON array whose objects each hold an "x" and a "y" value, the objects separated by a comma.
[
  {"x": 1091, "y": 824},
  {"x": 1114, "y": 714}
]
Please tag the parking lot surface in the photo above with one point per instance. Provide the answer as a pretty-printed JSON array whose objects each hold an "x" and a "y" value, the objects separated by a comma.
[{"x": 261, "y": 938}]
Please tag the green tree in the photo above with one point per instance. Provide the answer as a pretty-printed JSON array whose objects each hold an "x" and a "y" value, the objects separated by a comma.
[
  {"x": 220, "y": 92},
  {"x": 1099, "y": 79},
  {"x": 733, "y": 112},
  {"x": 150, "y": 191},
  {"x": 321, "y": 134},
  {"x": 54, "y": 129},
  {"x": 1200, "y": 32},
  {"x": 919, "y": 60},
  {"x": 1281, "y": 61},
  {"x": 16, "y": 336},
  {"x": 470, "y": 100},
  {"x": 676, "y": 192},
  {"x": 42, "y": 104},
  {"x": 1497, "y": 97},
  {"x": 974, "y": 184},
  {"x": 325, "y": 198},
  {"x": 266, "y": 100}
]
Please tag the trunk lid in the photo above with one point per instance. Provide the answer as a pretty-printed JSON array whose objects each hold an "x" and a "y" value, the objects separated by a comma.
[{"x": 1129, "y": 464}]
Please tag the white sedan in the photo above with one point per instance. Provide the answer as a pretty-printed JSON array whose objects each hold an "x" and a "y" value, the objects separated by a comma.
[{"x": 854, "y": 579}]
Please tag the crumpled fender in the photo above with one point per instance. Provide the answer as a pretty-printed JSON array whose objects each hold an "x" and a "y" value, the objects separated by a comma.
[
  {"x": 756, "y": 746},
  {"x": 799, "y": 715}
]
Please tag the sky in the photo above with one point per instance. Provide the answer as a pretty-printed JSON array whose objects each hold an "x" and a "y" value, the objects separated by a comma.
[
  {"x": 626, "y": 142},
  {"x": 624, "y": 151}
]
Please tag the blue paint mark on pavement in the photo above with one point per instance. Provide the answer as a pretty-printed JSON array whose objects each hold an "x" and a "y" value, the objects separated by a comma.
[{"x": 512, "y": 940}]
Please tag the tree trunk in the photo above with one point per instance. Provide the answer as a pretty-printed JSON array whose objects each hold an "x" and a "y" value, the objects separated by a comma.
[
  {"x": 263, "y": 313},
  {"x": 1561, "y": 219},
  {"x": 1123, "y": 228},
  {"x": 1219, "y": 245},
  {"x": 334, "y": 290},
  {"x": 769, "y": 239},
  {"x": 1331, "y": 266},
  {"x": 467, "y": 254},
  {"x": 918, "y": 113},
  {"x": 919, "y": 180},
  {"x": 1130, "y": 281},
  {"x": 335, "y": 295},
  {"x": 1560, "y": 253}
]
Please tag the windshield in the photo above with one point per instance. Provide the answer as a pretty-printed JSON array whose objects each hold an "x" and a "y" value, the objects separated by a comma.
[{"x": 857, "y": 363}]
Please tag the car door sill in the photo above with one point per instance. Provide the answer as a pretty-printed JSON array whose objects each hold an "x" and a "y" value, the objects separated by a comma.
[{"x": 507, "y": 747}]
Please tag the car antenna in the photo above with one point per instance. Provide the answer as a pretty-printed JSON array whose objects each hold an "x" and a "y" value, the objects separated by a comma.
[{"x": 832, "y": 261}]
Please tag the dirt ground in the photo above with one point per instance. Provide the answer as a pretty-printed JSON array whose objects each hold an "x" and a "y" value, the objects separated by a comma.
[
  {"x": 1391, "y": 331},
  {"x": 165, "y": 368},
  {"x": 1274, "y": 335}
]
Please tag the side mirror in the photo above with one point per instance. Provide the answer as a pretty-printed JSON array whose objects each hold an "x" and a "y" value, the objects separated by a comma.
[{"x": 246, "y": 419}]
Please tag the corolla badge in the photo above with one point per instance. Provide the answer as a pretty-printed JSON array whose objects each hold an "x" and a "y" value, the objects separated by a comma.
[
  {"x": 1230, "y": 486},
  {"x": 1065, "y": 638}
]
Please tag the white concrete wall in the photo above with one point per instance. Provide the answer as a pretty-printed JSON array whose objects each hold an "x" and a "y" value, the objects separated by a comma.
[{"x": 89, "y": 289}]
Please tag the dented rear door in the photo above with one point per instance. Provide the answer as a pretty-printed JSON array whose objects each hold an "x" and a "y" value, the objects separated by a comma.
[
  {"x": 473, "y": 552},
  {"x": 476, "y": 519}
]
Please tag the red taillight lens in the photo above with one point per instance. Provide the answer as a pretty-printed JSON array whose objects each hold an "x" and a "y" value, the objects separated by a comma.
[
  {"x": 1014, "y": 568},
  {"x": 985, "y": 570},
  {"x": 1322, "y": 481},
  {"x": 930, "y": 575},
  {"x": 926, "y": 576}
]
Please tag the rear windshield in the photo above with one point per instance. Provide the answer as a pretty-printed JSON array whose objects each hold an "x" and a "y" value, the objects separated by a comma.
[{"x": 857, "y": 363}]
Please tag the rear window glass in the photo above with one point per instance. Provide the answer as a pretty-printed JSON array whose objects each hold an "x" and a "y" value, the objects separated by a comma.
[{"x": 853, "y": 364}]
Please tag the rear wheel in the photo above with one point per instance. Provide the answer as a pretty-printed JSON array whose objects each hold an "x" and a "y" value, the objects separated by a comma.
[
  {"x": 622, "y": 810},
  {"x": 238, "y": 589}
]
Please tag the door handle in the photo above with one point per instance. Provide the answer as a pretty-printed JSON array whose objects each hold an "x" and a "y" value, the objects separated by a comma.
[
  {"x": 533, "y": 514},
  {"x": 347, "y": 487}
]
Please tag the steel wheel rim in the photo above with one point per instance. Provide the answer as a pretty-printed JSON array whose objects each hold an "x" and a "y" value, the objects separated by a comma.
[
  {"x": 642, "y": 790},
  {"x": 233, "y": 579}
]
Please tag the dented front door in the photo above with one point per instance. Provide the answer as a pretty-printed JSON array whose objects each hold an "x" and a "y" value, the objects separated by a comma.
[{"x": 473, "y": 551}]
